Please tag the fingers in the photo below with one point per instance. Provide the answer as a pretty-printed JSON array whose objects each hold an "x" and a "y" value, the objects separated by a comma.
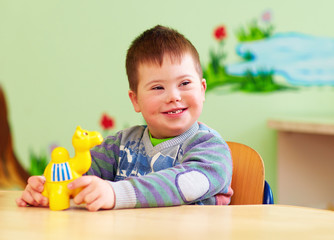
[
  {"x": 20, "y": 202},
  {"x": 95, "y": 205},
  {"x": 33, "y": 197},
  {"x": 84, "y": 183},
  {"x": 80, "y": 182},
  {"x": 98, "y": 199},
  {"x": 32, "y": 193},
  {"x": 96, "y": 193},
  {"x": 36, "y": 183}
]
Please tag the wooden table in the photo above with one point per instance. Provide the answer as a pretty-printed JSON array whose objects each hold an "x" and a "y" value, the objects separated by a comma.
[{"x": 183, "y": 222}]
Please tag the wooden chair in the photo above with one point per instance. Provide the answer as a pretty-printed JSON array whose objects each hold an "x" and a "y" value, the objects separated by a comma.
[{"x": 248, "y": 179}]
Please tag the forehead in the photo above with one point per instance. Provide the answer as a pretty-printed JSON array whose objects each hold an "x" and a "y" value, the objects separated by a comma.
[
  {"x": 158, "y": 61},
  {"x": 169, "y": 65}
]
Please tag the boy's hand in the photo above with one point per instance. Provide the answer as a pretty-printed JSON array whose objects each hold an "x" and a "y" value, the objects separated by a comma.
[
  {"x": 32, "y": 194},
  {"x": 96, "y": 193}
]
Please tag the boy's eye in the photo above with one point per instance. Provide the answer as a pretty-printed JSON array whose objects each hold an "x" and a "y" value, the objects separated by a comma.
[
  {"x": 157, "y": 88},
  {"x": 185, "y": 83}
]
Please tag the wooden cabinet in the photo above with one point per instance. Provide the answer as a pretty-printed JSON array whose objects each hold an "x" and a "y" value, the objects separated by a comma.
[{"x": 305, "y": 161}]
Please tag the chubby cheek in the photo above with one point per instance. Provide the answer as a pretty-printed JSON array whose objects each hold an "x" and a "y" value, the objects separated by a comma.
[
  {"x": 195, "y": 100},
  {"x": 150, "y": 106}
]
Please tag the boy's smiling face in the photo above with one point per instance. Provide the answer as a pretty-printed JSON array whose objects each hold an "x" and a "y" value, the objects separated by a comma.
[{"x": 170, "y": 97}]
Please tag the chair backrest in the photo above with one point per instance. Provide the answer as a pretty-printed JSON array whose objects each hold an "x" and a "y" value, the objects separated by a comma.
[{"x": 248, "y": 175}]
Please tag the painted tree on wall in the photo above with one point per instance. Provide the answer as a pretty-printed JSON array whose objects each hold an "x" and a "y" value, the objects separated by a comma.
[{"x": 12, "y": 174}]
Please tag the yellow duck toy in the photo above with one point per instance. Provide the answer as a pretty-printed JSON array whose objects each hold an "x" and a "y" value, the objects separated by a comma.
[{"x": 62, "y": 169}]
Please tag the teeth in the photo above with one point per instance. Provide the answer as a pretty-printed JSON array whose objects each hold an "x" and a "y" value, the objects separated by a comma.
[{"x": 175, "y": 112}]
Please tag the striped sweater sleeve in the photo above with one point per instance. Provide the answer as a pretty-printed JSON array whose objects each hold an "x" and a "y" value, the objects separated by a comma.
[
  {"x": 104, "y": 158},
  {"x": 204, "y": 171}
]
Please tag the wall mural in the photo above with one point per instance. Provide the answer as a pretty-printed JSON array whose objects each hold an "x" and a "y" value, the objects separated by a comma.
[{"x": 301, "y": 59}]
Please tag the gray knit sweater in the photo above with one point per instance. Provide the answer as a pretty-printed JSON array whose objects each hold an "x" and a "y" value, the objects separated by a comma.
[{"x": 190, "y": 168}]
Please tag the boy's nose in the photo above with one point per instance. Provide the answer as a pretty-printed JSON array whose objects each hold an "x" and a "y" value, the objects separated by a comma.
[{"x": 173, "y": 95}]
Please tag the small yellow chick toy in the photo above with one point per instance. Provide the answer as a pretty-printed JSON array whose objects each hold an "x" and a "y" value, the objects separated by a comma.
[{"x": 62, "y": 169}]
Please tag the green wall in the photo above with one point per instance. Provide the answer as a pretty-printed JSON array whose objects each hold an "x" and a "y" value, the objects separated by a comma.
[{"x": 62, "y": 65}]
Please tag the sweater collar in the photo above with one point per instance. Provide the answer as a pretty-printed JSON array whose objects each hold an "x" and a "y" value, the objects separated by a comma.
[{"x": 171, "y": 142}]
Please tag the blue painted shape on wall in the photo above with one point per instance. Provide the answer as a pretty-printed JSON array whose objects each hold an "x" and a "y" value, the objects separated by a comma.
[{"x": 302, "y": 59}]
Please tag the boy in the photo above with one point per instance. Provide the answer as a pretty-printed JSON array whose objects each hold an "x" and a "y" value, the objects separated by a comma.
[{"x": 173, "y": 160}]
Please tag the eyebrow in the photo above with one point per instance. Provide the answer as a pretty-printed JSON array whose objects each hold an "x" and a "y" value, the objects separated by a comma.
[
  {"x": 153, "y": 82},
  {"x": 163, "y": 80},
  {"x": 186, "y": 76}
]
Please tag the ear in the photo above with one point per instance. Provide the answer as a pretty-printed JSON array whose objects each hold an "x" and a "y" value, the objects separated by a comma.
[
  {"x": 134, "y": 100},
  {"x": 78, "y": 131},
  {"x": 203, "y": 86}
]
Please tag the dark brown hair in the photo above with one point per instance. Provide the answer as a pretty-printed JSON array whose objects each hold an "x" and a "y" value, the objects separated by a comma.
[{"x": 150, "y": 48}]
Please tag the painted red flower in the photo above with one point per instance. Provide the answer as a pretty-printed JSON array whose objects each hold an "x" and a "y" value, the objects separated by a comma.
[
  {"x": 220, "y": 33},
  {"x": 267, "y": 16},
  {"x": 107, "y": 122}
]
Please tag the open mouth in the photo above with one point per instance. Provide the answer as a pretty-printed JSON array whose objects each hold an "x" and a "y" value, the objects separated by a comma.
[{"x": 178, "y": 111}]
